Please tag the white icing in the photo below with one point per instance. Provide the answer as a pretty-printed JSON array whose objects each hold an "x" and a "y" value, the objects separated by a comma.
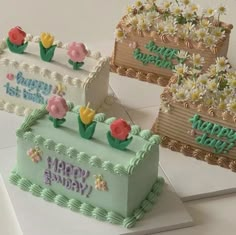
[{"x": 90, "y": 84}]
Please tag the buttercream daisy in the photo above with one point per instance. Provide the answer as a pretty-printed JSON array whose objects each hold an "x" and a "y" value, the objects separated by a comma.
[
  {"x": 221, "y": 10},
  {"x": 181, "y": 69},
  {"x": 197, "y": 60},
  {"x": 119, "y": 34},
  {"x": 221, "y": 64},
  {"x": 209, "y": 12},
  {"x": 231, "y": 106}
]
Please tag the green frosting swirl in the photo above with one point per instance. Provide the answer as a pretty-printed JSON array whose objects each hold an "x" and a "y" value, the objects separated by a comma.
[
  {"x": 129, "y": 222},
  {"x": 61, "y": 149},
  {"x": 146, "y": 205},
  {"x": 49, "y": 144},
  {"x": 74, "y": 205},
  {"x": 61, "y": 200},
  {"x": 36, "y": 190},
  {"x": 24, "y": 184},
  {"x": 139, "y": 213},
  {"x": 95, "y": 161},
  {"x": 82, "y": 157},
  {"x": 145, "y": 134},
  {"x": 99, "y": 214},
  {"x": 48, "y": 195},
  {"x": 70, "y": 105},
  {"x": 100, "y": 117},
  {"x": 135, "y": 129},
  {"x": 148, "y": 147},
  {"x": 114, "y": 217},
  {"x": 39, "y": 140},
  {"x": 72, "y": 152},
  {"x": 108, "y": 166},
  {"x": 20, "y": 132},
  {"x": 155, "y": 139},
  {"x": 85, "y": 208},
  {"x": 120, "y": 170},
  {"x": 28, "y": 136}
]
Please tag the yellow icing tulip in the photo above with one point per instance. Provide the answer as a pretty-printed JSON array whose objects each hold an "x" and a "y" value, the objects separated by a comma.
[
  {"x": 86, "y": 115},
  {"x": 47, "y": 40}
]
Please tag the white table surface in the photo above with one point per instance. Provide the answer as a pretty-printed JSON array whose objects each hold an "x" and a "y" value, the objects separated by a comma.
[{"x": 93, "y": 22}]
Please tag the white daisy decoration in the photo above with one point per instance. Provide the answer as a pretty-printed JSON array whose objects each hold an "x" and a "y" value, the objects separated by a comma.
[
  {"x": 222, "y": 64},
  {"x": 221, "y": 10},
  {"x": 197, "y": 60},
  {"x": 181, "y": 69},
  {"x": 119, "y": 34}
]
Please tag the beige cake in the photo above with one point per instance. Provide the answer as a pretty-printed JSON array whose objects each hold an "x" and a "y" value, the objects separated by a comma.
[
  {"x": 151, "y": 39},
  {"x": 198, "y": 114}
]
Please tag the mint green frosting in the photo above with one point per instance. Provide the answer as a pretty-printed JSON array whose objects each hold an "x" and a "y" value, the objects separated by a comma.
[
  {"x": 69, "y": 151},
  {"x": 86, "y": 208}
]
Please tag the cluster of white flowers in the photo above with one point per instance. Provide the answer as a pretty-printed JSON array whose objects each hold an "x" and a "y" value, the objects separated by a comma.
[
  {"x": 177, "y": 18},
  {"x": 216, "y": 88}
]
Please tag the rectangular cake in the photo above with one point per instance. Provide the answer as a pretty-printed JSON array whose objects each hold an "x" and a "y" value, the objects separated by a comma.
[
  {"x": 153, "y": 37},
  {"x": 88, "y": 175},
  {"x": 27, "y": 81},
  {"x": 198, "y": 115}
]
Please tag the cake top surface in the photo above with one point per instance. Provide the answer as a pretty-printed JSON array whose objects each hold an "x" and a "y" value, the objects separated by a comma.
[
  {"x": 215, "y": 89},
  {"x": 97, "y": 152},
  {"x": 179, "y": 19},
  {"x": 59, "y": 67}
]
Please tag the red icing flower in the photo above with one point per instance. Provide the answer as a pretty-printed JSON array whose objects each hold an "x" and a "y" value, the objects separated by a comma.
[
  {"x": 17, "y": 36},
  {"x": 120, "y": 129},
  {"x": 57, "y": 107}
]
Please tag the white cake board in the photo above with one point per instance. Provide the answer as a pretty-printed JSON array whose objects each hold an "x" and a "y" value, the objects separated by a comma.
[
  {"x": 37, "y": 216},
  {"x": 8, "y": 223},
  {"x": 195, "y": 179}
]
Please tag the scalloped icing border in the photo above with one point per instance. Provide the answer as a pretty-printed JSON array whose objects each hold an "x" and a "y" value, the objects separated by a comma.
[
  {"x": 45, "y": 73},
  {"x": 25, "y": 133},
  {"x": 138, "y": 74},
  {"x": 88, "y": 209},
  {"x": 197, "y": 153}
]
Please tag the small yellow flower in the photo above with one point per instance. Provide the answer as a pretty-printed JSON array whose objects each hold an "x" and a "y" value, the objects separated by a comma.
[
  {"x": 86, "y": 115},
  {"x": 46, "y": 39}
]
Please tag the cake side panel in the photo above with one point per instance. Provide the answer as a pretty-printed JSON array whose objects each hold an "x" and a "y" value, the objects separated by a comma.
[
  {"x": 123, "y": 54},
  {"x": 176, "y": 125},
  {"x": 31, "y": 89},
  {"x": 142, "y": 179},
  {"x": 96, "y": 90},
  {"x": 73, "y": 179}
]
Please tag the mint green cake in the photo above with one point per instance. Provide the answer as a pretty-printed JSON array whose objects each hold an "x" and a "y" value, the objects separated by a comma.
[{"x": 88, "y": 175}]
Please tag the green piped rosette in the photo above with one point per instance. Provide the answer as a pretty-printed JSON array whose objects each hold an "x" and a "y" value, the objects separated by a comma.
[
  {"x": 76, "y": 65},
  {"x": 46, "y": 53},
  {"x": 15, "y": 48},
  {"x": 57, "y": 122},
  {"x": 86, "y": 131},
  {"x": 116, "y": 143}
]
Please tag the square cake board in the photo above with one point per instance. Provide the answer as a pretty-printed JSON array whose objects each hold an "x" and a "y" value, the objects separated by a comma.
[
  {"x": 8, "y": 222},
  {"x": 37, "y": 216},
  {"x": 191, "y": 179}
]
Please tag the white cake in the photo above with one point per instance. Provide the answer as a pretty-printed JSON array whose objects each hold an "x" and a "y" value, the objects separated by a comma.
[{"x": 27, "y": 81}]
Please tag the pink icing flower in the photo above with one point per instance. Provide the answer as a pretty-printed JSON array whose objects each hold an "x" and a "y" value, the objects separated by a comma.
[
  {"x": 10, "y": 76},
  {"x": 57, "y": 107},
  {"x": 77, "y": 51},
  {"x": 120, "y": 129}
]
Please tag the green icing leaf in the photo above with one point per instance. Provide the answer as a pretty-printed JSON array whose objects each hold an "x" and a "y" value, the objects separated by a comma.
[
  {"x": 16, "y": 49},
  {"x": 46, "y": 54},
  {"x": 86, "y": 131},
  {"x": 118, "y": 144},
  {"x": 57, "y": 122}
]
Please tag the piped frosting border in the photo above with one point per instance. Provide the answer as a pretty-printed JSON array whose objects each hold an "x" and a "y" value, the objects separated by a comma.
[{"x": 86, "y": 208}]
